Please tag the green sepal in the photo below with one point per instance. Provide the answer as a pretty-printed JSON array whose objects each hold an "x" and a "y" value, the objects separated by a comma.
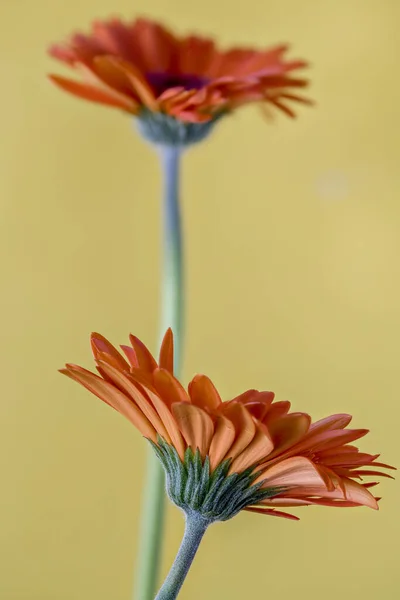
[
  {"x": 165, "y": 130},
  {"x": 215, "y": 495}
]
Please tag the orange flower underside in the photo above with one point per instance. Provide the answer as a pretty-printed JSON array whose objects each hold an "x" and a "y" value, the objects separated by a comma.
[
  {"x": 315, "y": 463},
  {"x": 138, "y": 65}
]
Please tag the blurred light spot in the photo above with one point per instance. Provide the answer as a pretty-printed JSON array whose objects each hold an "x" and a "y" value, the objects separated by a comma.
[{"x": 333, "y": 185}]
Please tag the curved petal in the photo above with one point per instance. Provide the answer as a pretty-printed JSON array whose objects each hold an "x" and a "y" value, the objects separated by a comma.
[
  {"x": 354, "y": 492},
  {"x": 203, "y": 393},
  {"x": 285, "y": 502},
  {"x": 112, "y": 396},
  {"x": 326, "y": 440},
  {"x": 339, "y": 421},
  {"x": 260, "y": 446},
  {"x": 128, "y": 387},
  {"x": 116, "y": 38},
  {"x": 166, "y": 360},
  {"x": 257, "y": 403},
  {"x": 196, "y": 426},
  {"x": 222, "y": 440},
  {"x": 169, "y": 422},
  {"x": 196, "y": 55},
  {"x": 287, "y": 431},
  {"x": 110, "y": 360},
  {"x": 100, "y": 345},
  {"x": 145, "y": 358},
  {"x": 369, "y": 473},
  {"x": 158, "y": 46},
  {"x": 245, "y": 428},
  {"x": 347, "y": 459},
  {"x": 169, "y": 387},
  {"x": 130, "y": 355},
  {"x": 331, "y": 439},
  {"x": 137, "y": 81},
  {"x": 271, "y": 512},
  {"x": 276, "y": 411},
  {"x": 92, "y": 93},
  {"x": 247, "y": 396},
  {"x": 293, "y": 472}
]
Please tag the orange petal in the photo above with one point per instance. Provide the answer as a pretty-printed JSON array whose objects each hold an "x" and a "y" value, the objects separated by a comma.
[
  {"x": 196, "y": 426},
  {"x": 292, "y": 472},
  {"x": 190, "y": 116},
  {"x": 332, "y": 422},
  {"x": 285, "y": 109},
  {"x": 114, "y": 397},
  {"x": 92, "y": 93},
  {"x": 158, "y": 46},
  {"x": 70, "y": 372},
  {"x": 101, "y": 345},
  {"x": 124, "y": 383},
  {"x": 110, "y": 360},
  {"x": 137, "y": 81},
  {"x": 336, "y": 438},
  {"x": 369, "y": 472},
  {"x": 333, "y": 503},
  {"x": 347, "y": 459},
  {"x": 245, "y": 397},
  {"x": 112, "y": 82},
  {"x": 354, "y": 492},
  {"x": 222, "y": 440},
  {"x": 244, "y": 427},
  {"x": 288, "y": 430},
  {"x": 265, "y": 398},
  {"x": 169, "y": 421},
  {"x": 257, "y": 403},
  {"x": 143, "y": 377},
  {"x": 203, "y": 393},
  {"x": 295, "y": 98},
  {"x": 115, "y": 38},
  {"x": 63, "y": 53},
  {"x": 166, "y": 360},
  {"x": 330, "y": 477},
  {"x": 172, "y": 93},
  {"x": 144, "y": 356},
  {"x": 384, "y": 465},
  {"x": 196, "y": 55},
  {"x": 285, "y": 502},
  {"x": 276, "y": 411},
  {"x": 271, "y": 512},
  {"x": 260, "y": 446},
  {"x": 169, "y": 387},
  {"x": 326, "y": 440},
  {"x": 131, "y": 355}
]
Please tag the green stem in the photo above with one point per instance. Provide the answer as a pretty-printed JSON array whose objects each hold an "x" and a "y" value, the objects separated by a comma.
[
  {"x": 195, "y": 528},
  {"x": 152, "y": 524}
]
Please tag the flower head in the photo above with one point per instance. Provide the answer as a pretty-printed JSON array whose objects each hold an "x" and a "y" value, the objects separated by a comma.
[
  {"x": 144, "y": 69},
  {"x": 248, "y": 453}
]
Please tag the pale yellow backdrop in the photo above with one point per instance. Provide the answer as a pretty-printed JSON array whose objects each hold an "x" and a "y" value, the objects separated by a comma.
[{"x": 292, "y": 238}]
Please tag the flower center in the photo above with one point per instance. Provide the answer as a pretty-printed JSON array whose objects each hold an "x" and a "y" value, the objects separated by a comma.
[{"x": 161, "y": 81}]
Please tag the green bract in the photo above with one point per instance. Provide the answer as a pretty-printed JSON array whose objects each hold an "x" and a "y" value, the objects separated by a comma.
[
  {"x": 165, "y": 130},
  {"x": 216, "y": 496}
]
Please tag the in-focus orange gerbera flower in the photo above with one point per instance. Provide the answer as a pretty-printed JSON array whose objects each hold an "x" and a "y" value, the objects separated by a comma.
[
  {"x": 248, "y": 453},
  {"x": 141, "y": 67}
]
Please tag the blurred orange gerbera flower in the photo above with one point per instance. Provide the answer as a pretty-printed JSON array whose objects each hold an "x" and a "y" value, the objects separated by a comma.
[
  {"x": 141, "y": 65},
  {"x": 265, "y": 456}
]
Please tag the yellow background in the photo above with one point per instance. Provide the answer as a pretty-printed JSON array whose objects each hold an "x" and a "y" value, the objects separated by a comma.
[{"x": 292, "y": 239}]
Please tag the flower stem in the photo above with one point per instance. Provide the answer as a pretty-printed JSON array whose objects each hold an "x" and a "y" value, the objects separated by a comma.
[
  {"x": 152, "y": 523},
  {"x": 195, "y": 528},
  {"x": 172, "y": 302}
]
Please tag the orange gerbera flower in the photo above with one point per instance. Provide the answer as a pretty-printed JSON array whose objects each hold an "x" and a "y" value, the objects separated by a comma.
[
  {"x": 142, "y": 66},
  {"x": 221, "y": 457}
]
